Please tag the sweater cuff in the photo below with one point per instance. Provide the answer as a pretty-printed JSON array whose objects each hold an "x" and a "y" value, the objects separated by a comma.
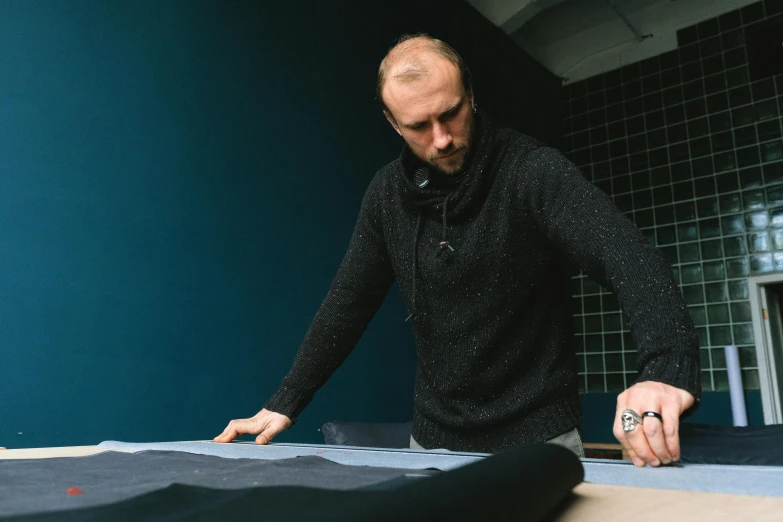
[
  {"x": 288, "y": 402},
  {"x": 677, "y": 369}
]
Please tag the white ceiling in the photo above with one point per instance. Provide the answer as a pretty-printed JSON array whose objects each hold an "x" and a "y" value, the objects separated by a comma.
[
  {"x": 510, "y": 15},
  {"x": 576, "y": 39}
]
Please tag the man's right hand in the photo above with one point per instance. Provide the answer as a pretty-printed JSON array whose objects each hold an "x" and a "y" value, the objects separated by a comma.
[{"x": 266, "y": 423}]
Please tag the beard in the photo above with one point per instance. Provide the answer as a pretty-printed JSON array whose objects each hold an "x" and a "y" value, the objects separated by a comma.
[{"x": 451, "y": 161}]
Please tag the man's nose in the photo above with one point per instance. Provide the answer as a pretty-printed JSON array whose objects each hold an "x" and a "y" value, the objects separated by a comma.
[{"x": 441, "y": 137}]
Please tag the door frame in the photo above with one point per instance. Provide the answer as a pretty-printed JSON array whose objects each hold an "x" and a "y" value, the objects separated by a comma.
[{"x": 769, "y": 381}]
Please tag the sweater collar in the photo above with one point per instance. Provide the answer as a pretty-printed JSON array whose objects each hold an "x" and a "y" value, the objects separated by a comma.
[{"x": 475, "y": 179}]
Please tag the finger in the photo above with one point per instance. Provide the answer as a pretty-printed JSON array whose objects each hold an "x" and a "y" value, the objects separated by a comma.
[
  {"x": 266, "y": 436},
  {"x": 671, "y": 430},
  {"x": 635, "y": 458},
  {"x": 641, "y": 447},
  {"x": 636, "y": 443},
  {"x": 620, "y": 434},
  {"x": 228, "y": 435},
  {"x": 628, "y": 449},
  {"x": 234, "y": 429},
  {"x": 653, "y": 431}
]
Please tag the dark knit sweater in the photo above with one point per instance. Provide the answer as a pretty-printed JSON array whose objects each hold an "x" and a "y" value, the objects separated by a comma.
[{"x": 484, "y": 269}]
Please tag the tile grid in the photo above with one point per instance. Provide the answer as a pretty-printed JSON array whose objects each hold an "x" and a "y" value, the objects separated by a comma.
[{"x": 691, "y": 151}]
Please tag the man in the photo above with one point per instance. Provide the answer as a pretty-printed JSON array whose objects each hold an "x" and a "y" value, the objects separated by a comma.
[{"x": 478, "y": 226}]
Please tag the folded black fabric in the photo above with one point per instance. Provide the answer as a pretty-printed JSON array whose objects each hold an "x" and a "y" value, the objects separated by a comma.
[
  {"x": 38, "y": 485},
  {"x": 524, "y": 483},
  {"x": 747, "y": 445}
]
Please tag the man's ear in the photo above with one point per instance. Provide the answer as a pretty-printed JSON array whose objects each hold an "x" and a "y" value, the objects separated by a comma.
[{"x": 392, "y": 121}]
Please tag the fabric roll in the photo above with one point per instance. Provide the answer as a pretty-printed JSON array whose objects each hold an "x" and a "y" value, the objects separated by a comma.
[{"x": 526, "y": 483}]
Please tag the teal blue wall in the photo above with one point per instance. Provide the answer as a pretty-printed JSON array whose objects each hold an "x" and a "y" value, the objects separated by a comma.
[
  {"x": 178, "y": 182},
  {"x": 174, "y": 198}
]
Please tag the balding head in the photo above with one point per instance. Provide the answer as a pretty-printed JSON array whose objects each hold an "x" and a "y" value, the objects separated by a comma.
[
  {"x": 425, "y": 91},
  {"x": 413, "y": 57}
]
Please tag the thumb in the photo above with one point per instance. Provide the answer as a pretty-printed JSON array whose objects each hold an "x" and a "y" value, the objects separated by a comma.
[
  {"x": 686, "y": 400},
  {"x": 270, "y": 431}
]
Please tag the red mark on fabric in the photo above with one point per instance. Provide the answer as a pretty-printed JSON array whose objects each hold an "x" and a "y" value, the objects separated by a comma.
[
  {"x": 319, "y": 452},
  {"x": 75, "y": 491}
]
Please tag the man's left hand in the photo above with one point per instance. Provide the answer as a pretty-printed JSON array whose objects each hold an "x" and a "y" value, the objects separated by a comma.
[{"x": 653, "y": 442}]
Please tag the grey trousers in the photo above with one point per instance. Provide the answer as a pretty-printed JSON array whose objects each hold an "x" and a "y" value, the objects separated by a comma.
[{"x": 569, "y": 440}]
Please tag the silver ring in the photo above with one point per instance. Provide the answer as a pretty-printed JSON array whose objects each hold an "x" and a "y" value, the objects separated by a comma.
[{"x": 630, "y": 420}]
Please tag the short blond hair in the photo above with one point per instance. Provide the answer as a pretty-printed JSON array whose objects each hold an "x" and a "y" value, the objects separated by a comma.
[{"x": 416, "y": 68}]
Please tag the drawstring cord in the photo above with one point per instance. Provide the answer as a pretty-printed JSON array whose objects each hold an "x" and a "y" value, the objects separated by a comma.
[{"x": 444, "y": 244}]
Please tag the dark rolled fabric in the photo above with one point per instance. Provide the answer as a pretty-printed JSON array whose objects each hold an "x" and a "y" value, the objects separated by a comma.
[{"x": 525, "y": 483}]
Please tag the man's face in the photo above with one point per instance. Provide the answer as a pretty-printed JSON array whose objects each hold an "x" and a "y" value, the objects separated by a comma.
[{"x": 434, "y": 115}]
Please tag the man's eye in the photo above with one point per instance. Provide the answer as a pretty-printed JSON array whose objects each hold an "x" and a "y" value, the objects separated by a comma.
[{"x": 449, "y": 115}]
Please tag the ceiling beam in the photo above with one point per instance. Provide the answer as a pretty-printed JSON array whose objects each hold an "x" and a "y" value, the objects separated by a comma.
[{"x": 499, "y": 12}]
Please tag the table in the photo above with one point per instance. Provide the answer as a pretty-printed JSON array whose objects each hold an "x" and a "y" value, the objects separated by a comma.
[{"x": 596, "y": 499}]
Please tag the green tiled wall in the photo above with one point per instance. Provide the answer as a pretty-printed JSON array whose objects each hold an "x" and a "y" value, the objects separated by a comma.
[{"x": 690, "y": 150}]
